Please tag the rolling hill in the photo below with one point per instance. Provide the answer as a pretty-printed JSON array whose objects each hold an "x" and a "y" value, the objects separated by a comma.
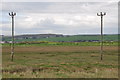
[{"x": 61, "y": 38}]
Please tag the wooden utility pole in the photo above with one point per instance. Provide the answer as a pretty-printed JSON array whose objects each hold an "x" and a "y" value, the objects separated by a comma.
[
  {"x": 12, "y": 14},
  {"x": 101, "y": 49}
]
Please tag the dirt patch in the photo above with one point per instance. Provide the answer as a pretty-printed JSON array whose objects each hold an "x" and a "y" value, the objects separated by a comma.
[
  {"x": 59, "y": 48},
  {"x": 43, "y": 69},
  {"x": 20, "y": 70},
  {"x": 14, "y": 70}
]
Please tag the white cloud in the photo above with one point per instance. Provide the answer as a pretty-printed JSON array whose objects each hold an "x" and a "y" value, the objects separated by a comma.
[
  {"x": 60, "y": 0},
  {"x": 66, "y": 18}
]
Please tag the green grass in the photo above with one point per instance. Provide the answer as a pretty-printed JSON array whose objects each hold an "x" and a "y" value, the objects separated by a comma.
[
  {"x": 82, "y": 37},
  {"x": 46, "y": 43},
  {"x": 71, "y": 38}
]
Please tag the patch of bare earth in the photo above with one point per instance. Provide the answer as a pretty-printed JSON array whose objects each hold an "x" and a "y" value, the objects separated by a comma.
[{"x": 59, "y": 48}]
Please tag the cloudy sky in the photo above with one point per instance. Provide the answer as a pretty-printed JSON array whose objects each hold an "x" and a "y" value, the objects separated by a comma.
[{"x": 59, "y": 17}]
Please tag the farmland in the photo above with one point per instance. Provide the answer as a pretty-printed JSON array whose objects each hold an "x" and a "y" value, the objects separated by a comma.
[
  {"x": 82, "y": 37},
  {"x": 112, "y": 37},
  {"x": 60, "y": 60}
]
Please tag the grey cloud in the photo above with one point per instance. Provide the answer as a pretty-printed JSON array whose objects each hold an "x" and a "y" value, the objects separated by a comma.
[
  {"x": 52, "y": 7},
  {"x": 48, "y": 24},
  {"x": 81, "y": 8}
]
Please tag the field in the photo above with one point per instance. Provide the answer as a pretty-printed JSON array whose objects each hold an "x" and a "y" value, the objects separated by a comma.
[
  {"x": 58, "y": 60},
  {"x": 70, "y": 38}
]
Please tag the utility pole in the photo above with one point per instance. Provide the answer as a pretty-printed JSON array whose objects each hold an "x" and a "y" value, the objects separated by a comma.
[
  {"x": 101, "y": 14},
  {"x": 12, "y": 14}
]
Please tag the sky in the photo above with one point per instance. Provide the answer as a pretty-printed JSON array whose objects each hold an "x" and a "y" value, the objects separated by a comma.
[{"x": 69, "y": 18}]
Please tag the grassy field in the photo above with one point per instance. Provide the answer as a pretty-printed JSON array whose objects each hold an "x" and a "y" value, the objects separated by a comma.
[
  {"x": 82, "y": 37},
  {"x": 60, "y": 61},
  {"x": 46, "y": 43}
]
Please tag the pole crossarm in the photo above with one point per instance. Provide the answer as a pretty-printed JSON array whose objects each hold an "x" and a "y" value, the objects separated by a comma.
[
  {"x": 12, "y": 14},
  {"x": 101, "y": 14}
]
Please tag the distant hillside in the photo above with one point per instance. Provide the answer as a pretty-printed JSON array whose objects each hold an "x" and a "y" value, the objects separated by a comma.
[
  {"x": 61, "y": 38},
  {"x": 30, "y": 37},
  {"x": 79, "y": 38}
]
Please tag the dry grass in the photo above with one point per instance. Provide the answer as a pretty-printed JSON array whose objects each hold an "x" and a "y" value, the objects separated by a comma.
[
  {"x": 58, "y": 48},
  {"x": 60, "y": 62}
]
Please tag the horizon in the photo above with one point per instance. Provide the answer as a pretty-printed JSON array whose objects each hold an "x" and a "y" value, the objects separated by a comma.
[{"x": 59, "y": 34}]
